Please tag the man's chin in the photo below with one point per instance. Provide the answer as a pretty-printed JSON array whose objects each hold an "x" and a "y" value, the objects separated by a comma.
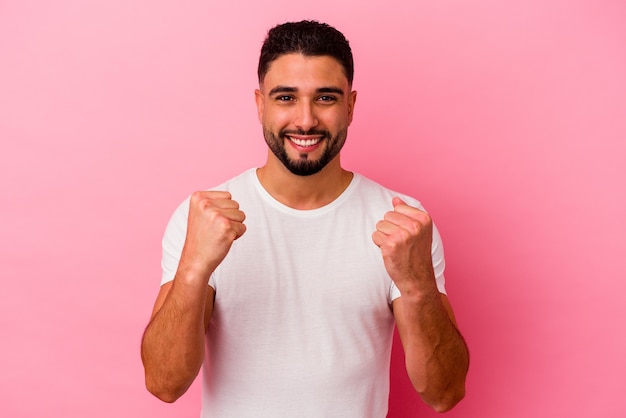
[{"x": 304, "y": 169}]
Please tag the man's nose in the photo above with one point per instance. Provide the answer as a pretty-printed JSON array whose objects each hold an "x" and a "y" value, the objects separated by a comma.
[{"x": 305, "y": 118}]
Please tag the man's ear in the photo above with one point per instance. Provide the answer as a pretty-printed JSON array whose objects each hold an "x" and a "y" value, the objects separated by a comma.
[
  {"x": 351, "y": 103},
  {"x": 260, "y": 103}
]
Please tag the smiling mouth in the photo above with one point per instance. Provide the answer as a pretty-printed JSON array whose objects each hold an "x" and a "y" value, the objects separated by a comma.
[{"x": 304, "y": 142}]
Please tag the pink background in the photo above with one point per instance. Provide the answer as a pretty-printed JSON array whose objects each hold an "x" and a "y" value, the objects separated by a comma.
[{"x": 506, "y": 119}]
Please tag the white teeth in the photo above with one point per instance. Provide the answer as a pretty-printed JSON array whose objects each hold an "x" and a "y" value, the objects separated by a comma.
[{"x": 304, "y": 142}]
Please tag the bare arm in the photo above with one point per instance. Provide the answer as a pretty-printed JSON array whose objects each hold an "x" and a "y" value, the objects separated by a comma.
[
  {"x": 172, "y": 348},
  {"x": 436, "y": 356}
]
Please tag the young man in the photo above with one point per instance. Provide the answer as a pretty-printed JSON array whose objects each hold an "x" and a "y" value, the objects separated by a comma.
[{"x": 292, "y": 312}]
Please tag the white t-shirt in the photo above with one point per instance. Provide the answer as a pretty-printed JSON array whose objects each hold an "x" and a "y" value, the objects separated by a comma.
[{"x": 302, "y": 325}]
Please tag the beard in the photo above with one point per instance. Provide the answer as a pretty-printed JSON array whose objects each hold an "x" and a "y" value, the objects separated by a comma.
[{"x": 304, "y": 166}]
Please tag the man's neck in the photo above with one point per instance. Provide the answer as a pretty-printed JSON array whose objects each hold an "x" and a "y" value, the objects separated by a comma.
[{"x": 304, "y": 192}]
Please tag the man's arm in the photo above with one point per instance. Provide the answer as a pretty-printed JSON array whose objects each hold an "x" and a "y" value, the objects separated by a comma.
[
  {"x": 172, "y": 348},
  {"x": 436, "y": 355}
]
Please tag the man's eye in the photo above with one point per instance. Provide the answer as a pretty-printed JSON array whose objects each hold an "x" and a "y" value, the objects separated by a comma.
[
  {"x": 284, "y": 98},
  {"x": 327, "y": 99}
]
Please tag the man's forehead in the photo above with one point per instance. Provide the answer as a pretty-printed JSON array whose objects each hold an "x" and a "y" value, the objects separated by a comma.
[{"x": 294, "y": 69}]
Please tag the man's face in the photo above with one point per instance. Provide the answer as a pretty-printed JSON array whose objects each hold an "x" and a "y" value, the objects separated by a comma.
[{"x": 305, "y": 105}]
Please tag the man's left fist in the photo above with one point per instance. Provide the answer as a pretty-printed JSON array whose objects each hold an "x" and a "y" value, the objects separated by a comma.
[{"x": 405, "y": 238}]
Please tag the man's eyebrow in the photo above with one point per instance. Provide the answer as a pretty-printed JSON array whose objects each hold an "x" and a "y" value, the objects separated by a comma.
[
  {"x": 288, "y": 89},
  {"x": 335, "y": 90},
  {"x": 282, "y": 89}
]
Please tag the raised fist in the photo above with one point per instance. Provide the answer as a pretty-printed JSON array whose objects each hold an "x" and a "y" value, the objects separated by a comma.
[
  {"x": 405, "y": 239},
  {"x": 214, "y": 223}
]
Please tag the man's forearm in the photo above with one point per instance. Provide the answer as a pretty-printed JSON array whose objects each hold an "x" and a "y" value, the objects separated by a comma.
[
  {"x": 436, "y": 355},
  {"x": 172, "y": 348}
]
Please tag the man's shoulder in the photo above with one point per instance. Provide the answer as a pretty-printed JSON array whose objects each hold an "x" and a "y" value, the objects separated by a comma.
[
  {"x": 245, "y": 178},
  {"x": 372, "y": 189},
  {"x": 236, "y": 183}
]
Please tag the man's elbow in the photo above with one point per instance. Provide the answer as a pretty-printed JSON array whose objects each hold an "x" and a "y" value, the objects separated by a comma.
[
  {"x": 165, "y": 394},
  {"x": 446, "y": 400},
  {"x": 168, "y": 397}
]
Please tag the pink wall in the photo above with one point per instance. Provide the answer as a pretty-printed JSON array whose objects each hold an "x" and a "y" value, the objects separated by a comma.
[{"x": 507, "y": 119}]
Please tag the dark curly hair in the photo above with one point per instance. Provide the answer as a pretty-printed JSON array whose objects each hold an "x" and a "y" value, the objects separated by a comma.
[{"x": 309, "y": 38}]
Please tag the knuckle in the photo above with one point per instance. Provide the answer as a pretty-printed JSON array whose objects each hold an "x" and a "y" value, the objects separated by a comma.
[
  {"x": 414, "y": 228},
  {"x": 394, "y": 244},
  {"x": 222, "y": 222},
  {"x": 196, "y": 197},
  {"x": 224, "y": 228},
  {"x": 405, "y": 235}
]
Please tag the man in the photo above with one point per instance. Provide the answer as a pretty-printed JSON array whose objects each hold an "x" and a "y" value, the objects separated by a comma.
[{"x": 292, "y": 312}]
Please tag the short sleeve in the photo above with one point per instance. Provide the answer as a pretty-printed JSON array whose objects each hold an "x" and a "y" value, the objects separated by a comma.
[{"x": 173, "y": 241}]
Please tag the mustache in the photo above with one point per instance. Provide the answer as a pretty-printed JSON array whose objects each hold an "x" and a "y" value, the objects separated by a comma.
[{"x": 285, "y": 132}]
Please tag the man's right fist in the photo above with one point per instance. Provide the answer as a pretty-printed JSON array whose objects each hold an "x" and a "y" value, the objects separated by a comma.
[{"x": 214, "y": 222}]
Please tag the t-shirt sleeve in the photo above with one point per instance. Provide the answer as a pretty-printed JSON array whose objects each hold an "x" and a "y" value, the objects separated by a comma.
[
  {"x": 439, "y": 265},
  {"x": 173, "y": 241}
]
